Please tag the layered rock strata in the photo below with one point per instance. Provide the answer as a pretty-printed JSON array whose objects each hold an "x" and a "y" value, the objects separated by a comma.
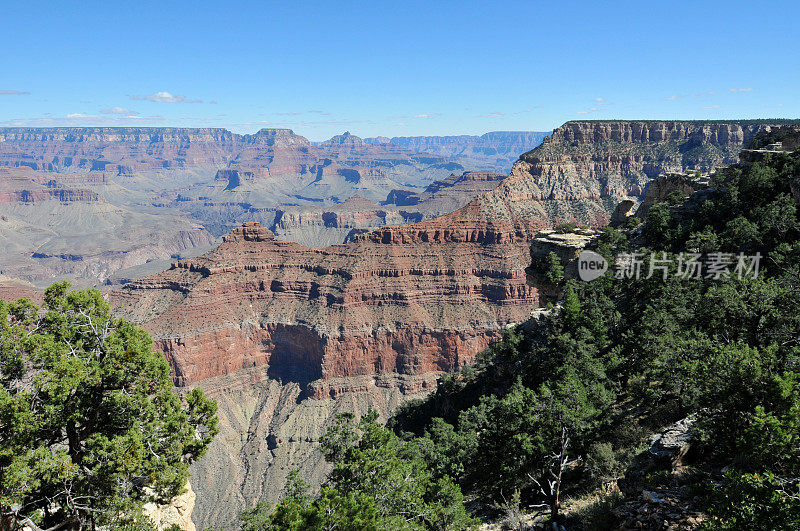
[
  {"x": 405, "y": 300},
  {"x": 129, "y": 149},
  {"x": 583, "y": 169},
  {"x": 51, "y": 228},
  {"x": 357, "y": 215},
  {"x": 137, "y": 185}
]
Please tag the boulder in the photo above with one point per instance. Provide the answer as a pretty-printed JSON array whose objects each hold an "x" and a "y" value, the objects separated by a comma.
[
  {"x": 672, "y": 444},
  {"x": 177, "y": 512},
  {"x": 622, "y": 212}
]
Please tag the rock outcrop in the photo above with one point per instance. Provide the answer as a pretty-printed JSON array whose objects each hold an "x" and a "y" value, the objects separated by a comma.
[
  {"x": 658, "y": 488},
  {"x": 176, "y": 513},
  {"x": 671, "y": 445},
  {"x": 662, "y": 186},
  {"x": 322, "y": 227},
  {"x": 583, "y": 169},
  {"x": 624, "y": 210},
  {"x": 317, "y": 227},
  {"x": 407, "y": 300}
]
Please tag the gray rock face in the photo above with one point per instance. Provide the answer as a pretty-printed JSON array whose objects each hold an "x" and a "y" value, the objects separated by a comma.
[
  {"x": 624, "y": 210},
  {"x": 584, "y": 169},
  {"x": 673, "y": 443},
  {"x": 270, "y": 428}
]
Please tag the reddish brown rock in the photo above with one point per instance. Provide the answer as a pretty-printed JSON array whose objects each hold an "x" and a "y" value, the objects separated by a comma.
[
  {"x": 274, "y": 176},
  {"x": 120, "y": 149},
  {"x": 267, "y": 154},
  {"x": 12, "y": 291},
  {"x": 403, "y": 306}
]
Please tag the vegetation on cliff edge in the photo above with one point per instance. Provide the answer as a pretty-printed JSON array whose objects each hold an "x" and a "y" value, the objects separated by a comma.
[
  {"x": 378, "y": 482},
  {"x": 90, "y": 425},
  {"x": 565, "y": 401}
]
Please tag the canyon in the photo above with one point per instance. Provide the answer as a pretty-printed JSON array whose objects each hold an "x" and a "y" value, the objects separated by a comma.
[
  {"x": 103, "y": 206},
  {"x": 54, "y": 227},
  {"x": 285, "y": 335}
]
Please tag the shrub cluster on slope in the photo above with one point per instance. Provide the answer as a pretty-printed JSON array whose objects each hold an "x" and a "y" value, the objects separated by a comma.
[
  {"x": 378, "y": 482},
  {"x": 565, "y": 401}
]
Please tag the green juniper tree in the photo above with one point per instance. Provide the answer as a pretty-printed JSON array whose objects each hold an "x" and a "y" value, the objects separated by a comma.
[
  {"x": 90, "y": 425},
  {"x": 552, "y": 268}
]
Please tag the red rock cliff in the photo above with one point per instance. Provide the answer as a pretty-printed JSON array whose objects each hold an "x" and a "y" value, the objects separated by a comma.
[{"x": 402, "y": 306}]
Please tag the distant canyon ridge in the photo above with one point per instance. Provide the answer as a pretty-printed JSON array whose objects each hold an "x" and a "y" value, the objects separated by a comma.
[{"x": 107, "y": 205}]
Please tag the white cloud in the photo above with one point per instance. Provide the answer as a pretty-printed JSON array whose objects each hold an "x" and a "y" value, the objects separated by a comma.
[
  {"x": 287, "y": 113},
  {"x": 163, "y": 97},
  {"x": 745, "y": 89},
  {"x": 322, "y": 113},
  {"x": 428, "y": 115},
  {"x": 711, "y": 106},
  {"x": 602, "y": 101},
  {"x": 495, "y": 114},
  {"x": 703, "y": 94},
  {"x": 590, "y": 110},
  {"x": 14, "y": 93},
  {"x": 525, "y": 111},
  {"x": 675, "y": 97},
  {"x": 119, "y": 110}
]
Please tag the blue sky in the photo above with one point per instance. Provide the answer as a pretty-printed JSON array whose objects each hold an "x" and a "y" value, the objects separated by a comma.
[{"x": 395, "y": 68}]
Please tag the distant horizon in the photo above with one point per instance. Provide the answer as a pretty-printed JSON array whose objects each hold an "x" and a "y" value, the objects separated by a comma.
[
  {"x": 215, "y": 128},
  {"x": 777, "y": 120}
]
